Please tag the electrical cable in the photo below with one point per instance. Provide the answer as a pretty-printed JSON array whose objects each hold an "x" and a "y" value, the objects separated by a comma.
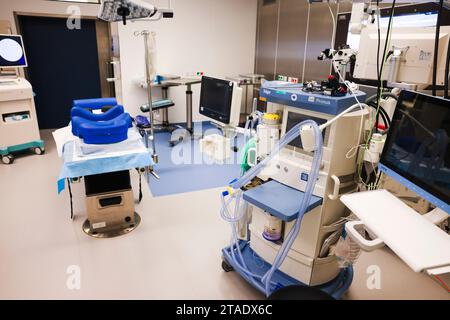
[
  {"x": 333, "y": 35},
  {"x": 380, "y": 82},
  {"x": 388, "y": 32},
  {"x": 436, "y": 46},
  {"x": 354, "y": 150},
  {"x": 447, "y": 67},
  {"x": 378, "y": 53},
  {"x": 385, "y": 56},
  {"x": 378, "y": 45},
  {"x": 71, "y": 197},
  {"x": 383, "y": 113}
]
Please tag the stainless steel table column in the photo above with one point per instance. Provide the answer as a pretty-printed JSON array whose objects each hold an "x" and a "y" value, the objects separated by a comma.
[
  {"x": 181, "y": 135},
  {"x": 165, "y": 111},
  {"x": 189, "y": 125}
]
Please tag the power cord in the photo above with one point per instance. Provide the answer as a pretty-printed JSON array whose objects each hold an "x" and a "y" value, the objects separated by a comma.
[
  {"x": 436, "y": 46},
  {"x": 380, "y": 84}
]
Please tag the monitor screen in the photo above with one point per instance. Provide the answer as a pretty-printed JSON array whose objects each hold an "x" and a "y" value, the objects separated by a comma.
[
  {"x": 216, "y": 98},
  {"x": 12, "y": 53},
  {"x": 418, "y": 143},
  {"x": 293, "y": 119}
]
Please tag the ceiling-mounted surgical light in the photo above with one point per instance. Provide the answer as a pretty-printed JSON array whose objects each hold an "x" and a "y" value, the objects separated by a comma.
[{"x": 123, "y": 10}]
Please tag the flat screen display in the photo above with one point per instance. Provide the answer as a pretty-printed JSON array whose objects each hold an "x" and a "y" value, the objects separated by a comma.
[
  {"x": 215, "y": 99},
  {"x": 418, "y": 143},
  {"x": 295, "y": 118},
  {"x": 12, "y": 53}
]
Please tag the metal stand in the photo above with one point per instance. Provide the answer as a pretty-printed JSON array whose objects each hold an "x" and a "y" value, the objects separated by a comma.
[
  {"x": 188, "y": 132},
  {"x": 146, "y": 35},
  {"x": 165, "y": 112}
]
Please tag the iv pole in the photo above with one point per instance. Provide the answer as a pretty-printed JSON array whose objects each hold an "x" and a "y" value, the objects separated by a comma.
[{"x": 149, "y": 81}]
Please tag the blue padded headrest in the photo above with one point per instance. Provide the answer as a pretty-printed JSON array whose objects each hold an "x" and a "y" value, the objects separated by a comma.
[
  {"x": 80, "y": 124},
  {"x": 95, "y": 103},
  {"x": 105, "y": 116}
]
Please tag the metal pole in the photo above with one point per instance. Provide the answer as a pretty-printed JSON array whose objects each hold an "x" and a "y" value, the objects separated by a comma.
[
  {"x": 246, "y": 99},
  {"x": 255, "y": 105},
  {"x": 189, "y": 109},
  {"x": 165, "y": 111},
  {"x": 146, "y": 34}
]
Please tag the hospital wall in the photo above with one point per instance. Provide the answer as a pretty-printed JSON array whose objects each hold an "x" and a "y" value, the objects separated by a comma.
[{"x": 214, "y": 36}]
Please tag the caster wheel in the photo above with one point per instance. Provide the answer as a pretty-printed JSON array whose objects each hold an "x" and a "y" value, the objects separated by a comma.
[
  {"x": 172, "y": 144},
  {"x": 235, "y": 149},
  {"x": 8, "y": 159},
  {"x": 39, "y": 150},
  {"x": 226, "y": 266}
]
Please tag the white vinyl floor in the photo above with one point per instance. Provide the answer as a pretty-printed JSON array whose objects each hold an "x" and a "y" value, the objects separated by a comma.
[{"x": 174, "y": 254}]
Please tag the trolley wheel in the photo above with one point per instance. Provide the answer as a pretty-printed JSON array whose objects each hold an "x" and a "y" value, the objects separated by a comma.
[
  {"x": 8, "y": 159},
  {"x": 226, "y": 266},
  {"x": 39, "y": 150}
]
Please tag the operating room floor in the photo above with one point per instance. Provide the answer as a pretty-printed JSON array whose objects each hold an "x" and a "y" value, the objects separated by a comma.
[{"x": 174, "y": 254}]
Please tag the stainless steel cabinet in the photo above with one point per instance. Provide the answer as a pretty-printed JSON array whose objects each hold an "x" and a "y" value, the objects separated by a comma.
[{"x": 286, "y": 30}]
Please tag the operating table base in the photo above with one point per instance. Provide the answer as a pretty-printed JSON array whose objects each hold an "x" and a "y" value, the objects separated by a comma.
[{"x": 111, "y": 233}]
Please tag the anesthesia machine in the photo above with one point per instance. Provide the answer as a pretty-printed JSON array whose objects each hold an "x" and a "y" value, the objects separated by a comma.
[{"x": 285, "y": 221}]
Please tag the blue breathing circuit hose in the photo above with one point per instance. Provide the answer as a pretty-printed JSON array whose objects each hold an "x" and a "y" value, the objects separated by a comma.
[{"x": 265, "y": 283}]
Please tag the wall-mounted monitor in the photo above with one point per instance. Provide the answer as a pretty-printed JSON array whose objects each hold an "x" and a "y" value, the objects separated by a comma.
[
  {"x": 220, "y": 100},
  {"x": 12, "y": 52}
]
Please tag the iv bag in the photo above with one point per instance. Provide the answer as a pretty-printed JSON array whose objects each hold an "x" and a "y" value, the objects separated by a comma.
[{"x": 151, "y": 47}]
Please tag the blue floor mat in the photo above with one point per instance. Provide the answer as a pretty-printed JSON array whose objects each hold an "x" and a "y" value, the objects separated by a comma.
[{"x": 183, "y": 168}]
